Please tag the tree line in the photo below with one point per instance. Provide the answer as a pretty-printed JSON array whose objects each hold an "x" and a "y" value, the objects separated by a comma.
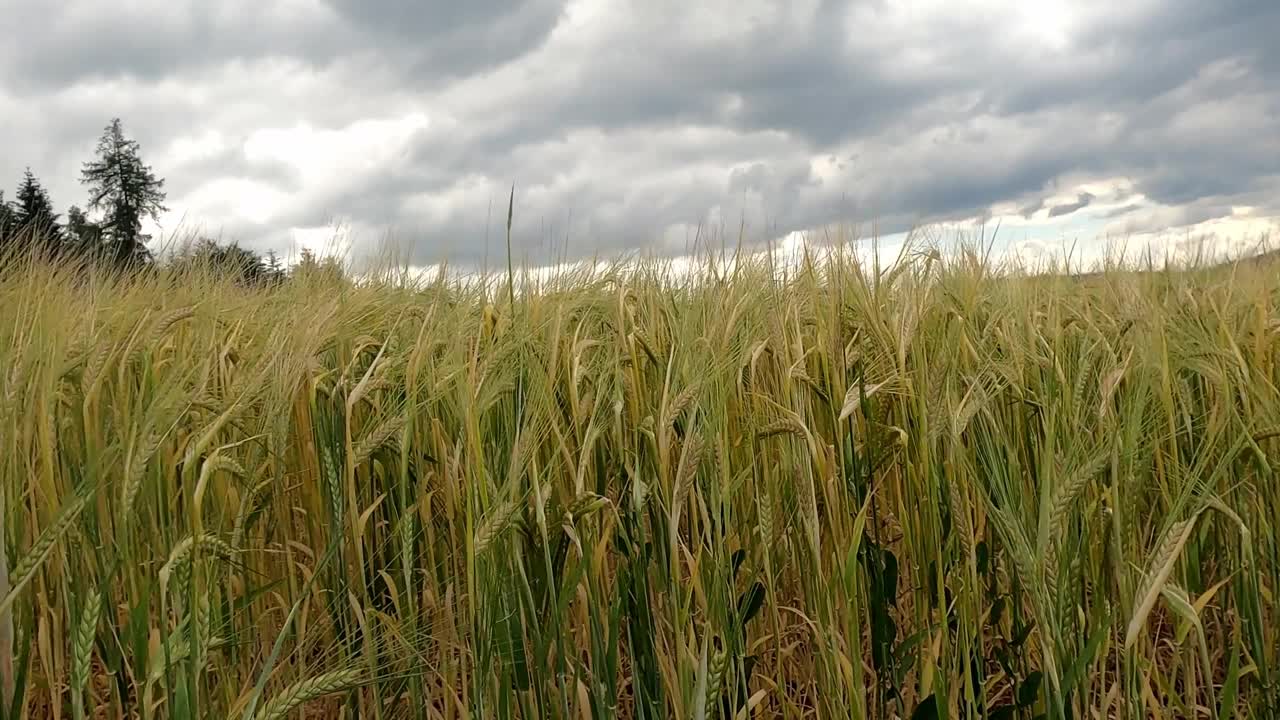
[{"x": 123, "y": 192}]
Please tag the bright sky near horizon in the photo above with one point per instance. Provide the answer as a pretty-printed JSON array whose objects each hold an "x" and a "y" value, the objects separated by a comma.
[{"x": 627, "y": 124}]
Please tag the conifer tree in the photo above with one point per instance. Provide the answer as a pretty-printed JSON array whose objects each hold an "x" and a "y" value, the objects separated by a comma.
[
  {"x": 33, "y": 214},
  {"x": 126, "y": 191}
]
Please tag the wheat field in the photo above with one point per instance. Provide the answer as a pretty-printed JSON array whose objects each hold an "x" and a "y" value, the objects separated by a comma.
[{"x": 932, "y": 490}]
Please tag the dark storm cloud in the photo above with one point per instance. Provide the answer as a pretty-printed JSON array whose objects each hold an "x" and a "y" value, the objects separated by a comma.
[{"x": 625, "y": 125}]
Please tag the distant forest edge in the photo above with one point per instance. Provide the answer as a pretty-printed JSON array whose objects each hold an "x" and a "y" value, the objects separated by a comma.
[{"x": 108, "y": 231}]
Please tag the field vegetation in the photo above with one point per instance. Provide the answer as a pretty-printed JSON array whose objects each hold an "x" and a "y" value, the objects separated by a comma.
[{"x": 927, "y": 490}]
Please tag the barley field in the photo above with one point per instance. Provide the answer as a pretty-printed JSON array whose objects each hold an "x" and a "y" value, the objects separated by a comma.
[{"x": 922, "y": 491}]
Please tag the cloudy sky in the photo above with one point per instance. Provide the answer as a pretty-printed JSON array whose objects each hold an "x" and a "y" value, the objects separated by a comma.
[{"x": 627, "y": 124}]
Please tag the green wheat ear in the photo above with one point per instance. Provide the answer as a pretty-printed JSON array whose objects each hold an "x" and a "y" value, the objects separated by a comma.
[
  {"x": 28, "y": 565},
  {"x": 82, "y": 642},
  {"x": 304, "y": 691},
  {"x": 494, "y": 526}
]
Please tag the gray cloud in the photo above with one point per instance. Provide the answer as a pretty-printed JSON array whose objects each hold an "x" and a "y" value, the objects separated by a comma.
[
  {"x": 448, "y": 37},
  {"x": 1121, "y": 211},
  {"x": 75, "y": 41},
  {"x": 1082, "y": 201},
  {"x": 83, "y": 40},
  {"x": 624, "y": 124}
]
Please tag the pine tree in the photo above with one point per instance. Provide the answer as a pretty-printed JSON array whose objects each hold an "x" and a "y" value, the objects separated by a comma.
[
  {"x": 126, "y": 190},
  {"x": 34, "y": 215}
]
